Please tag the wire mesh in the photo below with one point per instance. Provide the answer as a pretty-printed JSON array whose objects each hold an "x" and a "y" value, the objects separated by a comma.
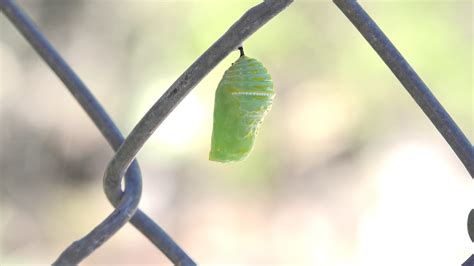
[{"x": 126, "y": 202}]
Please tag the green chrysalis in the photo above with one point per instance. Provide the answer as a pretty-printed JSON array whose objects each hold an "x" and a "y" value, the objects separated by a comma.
[{"x": 243, "y": 98}]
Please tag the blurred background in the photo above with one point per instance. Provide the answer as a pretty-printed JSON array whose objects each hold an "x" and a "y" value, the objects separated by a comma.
[{"x": 346, "y": 170}]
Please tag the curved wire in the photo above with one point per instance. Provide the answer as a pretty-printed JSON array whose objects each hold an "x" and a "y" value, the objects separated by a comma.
[
  {"x": 124, "y": 157},
  {"x": 126, "y": 203},
  {"x": 470, "y": 225},
  {"x": 250, "y": 22},
  {"x": 411, "y": 81}
]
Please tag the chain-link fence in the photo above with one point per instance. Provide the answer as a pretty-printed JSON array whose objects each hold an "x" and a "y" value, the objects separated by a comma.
[{"x": 123, "y": 164}]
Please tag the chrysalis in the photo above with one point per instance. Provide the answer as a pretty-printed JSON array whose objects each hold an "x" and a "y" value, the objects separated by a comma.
[{"x": 243, "y": 98}]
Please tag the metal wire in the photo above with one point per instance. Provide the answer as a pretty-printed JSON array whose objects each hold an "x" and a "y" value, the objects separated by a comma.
[
  {"x": 470, "y": 225},
  {"x": 411, "y": 81},
  {"x": 126, "y": 202},
  {"x": 250, "y": 22},
  {"x": 469, "y": 261},
  {"x": 416, "y": 87},
  {"x": 244, "y": 27}
]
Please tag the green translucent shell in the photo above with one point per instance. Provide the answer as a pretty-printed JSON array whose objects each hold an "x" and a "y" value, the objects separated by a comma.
[{"x": 243, "y": 98}]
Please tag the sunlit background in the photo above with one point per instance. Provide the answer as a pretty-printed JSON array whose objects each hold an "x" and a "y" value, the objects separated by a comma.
[{"x": 347, "y": 170}]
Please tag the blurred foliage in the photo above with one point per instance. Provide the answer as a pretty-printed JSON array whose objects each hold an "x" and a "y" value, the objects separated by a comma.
[{"x": 316, "y": 183}]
